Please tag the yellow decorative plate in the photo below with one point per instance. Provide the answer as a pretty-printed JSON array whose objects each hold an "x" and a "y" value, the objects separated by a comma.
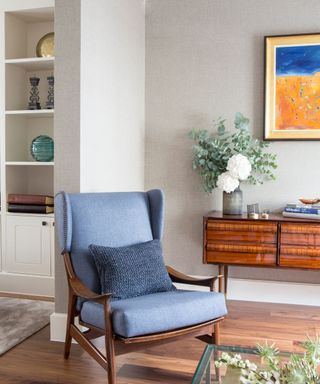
[{"x": 45, "y": 46}]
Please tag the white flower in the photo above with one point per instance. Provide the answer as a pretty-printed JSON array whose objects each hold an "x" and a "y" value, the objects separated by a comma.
[
  {"x": 239, "y": 166},
  {"x": 227, "y": 182}
]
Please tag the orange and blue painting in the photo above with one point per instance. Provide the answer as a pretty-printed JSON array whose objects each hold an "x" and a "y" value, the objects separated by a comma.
[{"x": 297, "y": 88}]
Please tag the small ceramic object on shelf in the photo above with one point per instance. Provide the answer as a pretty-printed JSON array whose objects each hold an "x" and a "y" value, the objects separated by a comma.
[
  {"x": 265, "y": 214},
  {"x": 34, "y": 99},
  {"x": 45, "y": 46},
  {"x": 309, "y": 201},
  {"x": 42, "y": 148},
  {"x": 253, "y": 215},
  {"x": 50, "y": 99}
]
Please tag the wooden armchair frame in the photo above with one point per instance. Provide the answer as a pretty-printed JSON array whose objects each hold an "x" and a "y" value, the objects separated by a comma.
[{"x": 117, "y": 345}]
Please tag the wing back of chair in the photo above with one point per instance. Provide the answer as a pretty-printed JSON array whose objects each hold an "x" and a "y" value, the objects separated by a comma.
[{"x": 113, "y": 219}]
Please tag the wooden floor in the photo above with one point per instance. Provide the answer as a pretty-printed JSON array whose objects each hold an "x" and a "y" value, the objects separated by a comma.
[{"x": 38, "y": 361}]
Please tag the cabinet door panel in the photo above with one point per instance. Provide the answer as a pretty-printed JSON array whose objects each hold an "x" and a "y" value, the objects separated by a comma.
[
  {"x": 28, "y": 247},
  {"x": 27, "y": 244}
]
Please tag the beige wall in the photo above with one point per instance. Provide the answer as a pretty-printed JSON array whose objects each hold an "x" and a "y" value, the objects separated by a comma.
[
  {"x": 99, "y": 113},
  {"x": 67, "y": 117},
  {"x": 204, "y": 58}
]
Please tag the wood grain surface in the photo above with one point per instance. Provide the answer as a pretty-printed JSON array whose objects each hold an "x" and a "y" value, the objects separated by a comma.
[
  {"x": 39, "y": 361},
  {"x": 278, "y": 242}
]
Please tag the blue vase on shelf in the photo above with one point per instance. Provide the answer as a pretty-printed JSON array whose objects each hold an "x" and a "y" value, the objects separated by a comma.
[{"x": 42, "y": 148}]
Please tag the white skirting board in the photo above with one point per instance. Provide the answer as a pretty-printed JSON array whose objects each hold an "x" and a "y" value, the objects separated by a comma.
[
  {"x": 238, "y": 289},
  {"x": 269, "y": 291},
  {"x": 27, "y": 284},
  {"x": 274, "y": 292}
]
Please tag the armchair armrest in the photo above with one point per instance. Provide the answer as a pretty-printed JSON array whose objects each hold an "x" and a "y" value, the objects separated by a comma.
[
  {"x": 80, "y": 290},
  {"x": 179, "y": 277}
]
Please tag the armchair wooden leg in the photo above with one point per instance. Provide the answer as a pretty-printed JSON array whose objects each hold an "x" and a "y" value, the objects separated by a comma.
[
  {"x": 70, "y": 320},
  {"x": 109, "y": 342},
  {"x": 111, "y": 359}
]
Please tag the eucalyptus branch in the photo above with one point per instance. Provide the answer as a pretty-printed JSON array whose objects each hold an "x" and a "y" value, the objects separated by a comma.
[
  {"x": 212, "y": 151},
  {"x": 299, "y": 369}
]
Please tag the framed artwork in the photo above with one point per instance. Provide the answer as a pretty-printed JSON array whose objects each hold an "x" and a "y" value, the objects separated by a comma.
[{"x": 292, "y": 87}]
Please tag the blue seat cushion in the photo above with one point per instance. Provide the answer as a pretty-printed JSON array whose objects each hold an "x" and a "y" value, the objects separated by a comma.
[
  {"x": 157, "y": 312},
  {"x": 133, "y": 270}
]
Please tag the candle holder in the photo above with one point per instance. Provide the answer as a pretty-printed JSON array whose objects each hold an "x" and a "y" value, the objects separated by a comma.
[
  {"x": 50, "y": 99},
  {"x": 34, "y": 99},
  {"x": 253, "y": 211}
]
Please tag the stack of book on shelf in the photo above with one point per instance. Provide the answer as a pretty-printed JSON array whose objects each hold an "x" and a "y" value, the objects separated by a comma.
[
  {"x": 30, "y": 203},
  {"x": 302, "y": 211}
]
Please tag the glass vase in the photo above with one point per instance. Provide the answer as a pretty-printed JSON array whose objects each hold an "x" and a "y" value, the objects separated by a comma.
[
  {"x": 232, "y": 202},
  {"x": 42, "y": 148}
]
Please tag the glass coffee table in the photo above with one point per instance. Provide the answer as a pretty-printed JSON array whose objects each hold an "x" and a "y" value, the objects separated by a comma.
[{"x": 206, "y": 371}]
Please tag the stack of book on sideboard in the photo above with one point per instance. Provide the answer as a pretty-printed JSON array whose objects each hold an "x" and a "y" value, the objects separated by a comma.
[
  {"x": 302, "y": 211},
  {"x": 30, "y": 203}
]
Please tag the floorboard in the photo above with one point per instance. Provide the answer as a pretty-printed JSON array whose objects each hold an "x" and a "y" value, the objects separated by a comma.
[{"x": 39, "y": 361}]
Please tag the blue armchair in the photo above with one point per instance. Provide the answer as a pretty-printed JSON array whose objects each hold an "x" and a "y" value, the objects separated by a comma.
[{"x": 123, "y": 219}]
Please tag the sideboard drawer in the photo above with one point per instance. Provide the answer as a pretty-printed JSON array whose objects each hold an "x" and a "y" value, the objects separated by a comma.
[
  {"x": 302, "y": 257},
  {"x": 300, "y": 245},
  {"x": 242, "y": 254},
  {"x": 308, "y": 235},
  {"x": 241, "y": 231}
]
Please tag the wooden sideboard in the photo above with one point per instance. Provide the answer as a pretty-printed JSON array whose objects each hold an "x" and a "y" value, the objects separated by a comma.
[{"x": 277, "y": 242}]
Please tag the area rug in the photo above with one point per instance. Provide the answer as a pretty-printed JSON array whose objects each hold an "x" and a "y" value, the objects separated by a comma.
[{"x": 20, "y": 318}]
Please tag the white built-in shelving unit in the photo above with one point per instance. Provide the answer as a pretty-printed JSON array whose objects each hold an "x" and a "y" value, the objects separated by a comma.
[{"x": 27, "y": 242}]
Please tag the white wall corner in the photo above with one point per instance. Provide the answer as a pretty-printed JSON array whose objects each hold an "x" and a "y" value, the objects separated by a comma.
[{"x": 58, "y": 323}]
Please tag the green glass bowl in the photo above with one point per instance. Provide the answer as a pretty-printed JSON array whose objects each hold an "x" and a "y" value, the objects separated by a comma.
[{"x": 42, "y": 148}]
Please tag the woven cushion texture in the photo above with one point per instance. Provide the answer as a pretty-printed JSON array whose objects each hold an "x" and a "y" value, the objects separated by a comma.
[{"x": 131, "y": 271}]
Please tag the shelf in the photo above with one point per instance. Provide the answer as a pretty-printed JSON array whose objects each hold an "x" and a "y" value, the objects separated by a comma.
[
  {"x": 30, "y": 214},
  {"x": 31, "y": 113},
  {"x": 33, "y": 63},
  {"x": 30, "y": 163}
]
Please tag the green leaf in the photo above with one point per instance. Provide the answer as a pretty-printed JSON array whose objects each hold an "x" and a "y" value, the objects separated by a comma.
[
  {"x": 213, "y": 150},
  {"x": 241, "y": 122}
]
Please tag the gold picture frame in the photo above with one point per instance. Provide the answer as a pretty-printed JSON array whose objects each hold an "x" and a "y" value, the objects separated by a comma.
[{"x": 292, "y": 87}]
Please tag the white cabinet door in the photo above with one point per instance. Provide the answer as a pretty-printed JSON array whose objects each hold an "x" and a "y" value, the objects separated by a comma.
[{"x": 28, "y": 247}]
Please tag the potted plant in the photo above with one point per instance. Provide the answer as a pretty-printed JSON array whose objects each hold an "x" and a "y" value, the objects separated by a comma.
[
  {"x": 224, "y": 160},
  {"x": 298, "y": 369}
]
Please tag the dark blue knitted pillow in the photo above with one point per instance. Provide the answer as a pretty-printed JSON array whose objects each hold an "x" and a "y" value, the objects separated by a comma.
[{"x": 131, "y": 271}]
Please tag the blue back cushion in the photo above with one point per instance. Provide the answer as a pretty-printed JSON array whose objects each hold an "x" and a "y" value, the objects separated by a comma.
[
  {"x": 131, "y": 271},
  {"x": 112, "y": 219}
]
